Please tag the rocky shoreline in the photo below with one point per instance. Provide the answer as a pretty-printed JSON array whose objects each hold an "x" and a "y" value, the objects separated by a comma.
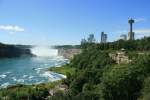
[{"x": 68, "y": 53}]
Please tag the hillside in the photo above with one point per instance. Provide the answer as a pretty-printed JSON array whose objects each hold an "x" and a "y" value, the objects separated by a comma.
[
  {"x": 9, "y": 51},
  {"x": 98, "y": 77}
]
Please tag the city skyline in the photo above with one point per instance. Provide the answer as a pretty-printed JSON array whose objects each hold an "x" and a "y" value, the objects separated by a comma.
[{"x": 62, "y": 22}]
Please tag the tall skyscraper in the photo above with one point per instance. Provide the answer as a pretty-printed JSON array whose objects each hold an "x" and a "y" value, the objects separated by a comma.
[
  {"x": 131, "y": 33},
  {"x": 123, "y": 37},
  {"x": 103, "y": 37},
  {"x": 83, "y": 41},
  {"x": 91, "y": 38}
]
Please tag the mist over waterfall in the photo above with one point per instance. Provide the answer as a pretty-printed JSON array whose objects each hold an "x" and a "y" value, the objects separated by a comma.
[{"x": 44, "y": 51}]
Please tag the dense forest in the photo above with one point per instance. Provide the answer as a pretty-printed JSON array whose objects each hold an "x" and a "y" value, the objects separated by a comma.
[
  {"x": 9, "y": 51},
  {"x": 98, "y": 77},
  {"x": 66, "y": 46}
]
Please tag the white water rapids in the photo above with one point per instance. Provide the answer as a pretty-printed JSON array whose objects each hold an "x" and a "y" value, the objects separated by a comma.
[{"x": 44, "y": 51}]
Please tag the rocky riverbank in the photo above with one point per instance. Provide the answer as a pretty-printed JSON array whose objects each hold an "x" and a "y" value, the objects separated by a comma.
[{"x": 69, "y": 53}]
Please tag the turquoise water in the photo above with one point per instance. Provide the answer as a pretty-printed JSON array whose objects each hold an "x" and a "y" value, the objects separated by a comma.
[{"x": 29, "y": 70}]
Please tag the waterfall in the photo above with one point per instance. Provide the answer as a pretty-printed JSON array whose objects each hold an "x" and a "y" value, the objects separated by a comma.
[{"x": 44, "y": 51}]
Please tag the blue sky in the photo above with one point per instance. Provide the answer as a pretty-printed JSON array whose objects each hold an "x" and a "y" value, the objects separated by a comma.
[{"x": 68, "y": 21}]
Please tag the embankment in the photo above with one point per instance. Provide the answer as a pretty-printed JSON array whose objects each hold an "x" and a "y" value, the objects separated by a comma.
[{"x": 68, "y": 53}]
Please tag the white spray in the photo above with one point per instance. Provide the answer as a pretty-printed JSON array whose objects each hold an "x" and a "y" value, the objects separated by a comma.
[{"x": 44, "y": 51}]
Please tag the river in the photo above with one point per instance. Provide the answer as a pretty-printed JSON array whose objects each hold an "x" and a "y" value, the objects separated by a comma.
[{"x": 31, "y": 70}]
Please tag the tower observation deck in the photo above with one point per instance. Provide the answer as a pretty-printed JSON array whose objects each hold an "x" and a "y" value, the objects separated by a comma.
[{"x": 131, "y": 33}]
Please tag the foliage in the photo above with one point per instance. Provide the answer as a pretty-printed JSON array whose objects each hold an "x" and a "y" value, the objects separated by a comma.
[
  {"x": 67, "y": 46},
  {"x": 91, "y": 58},
  {"x": 27, "y": 92},
  {"x": 9, "y": 51},
  {"x": 124, "y": 82},
  {"x": 97, "y": 77},
  {"x": 89, "y": 67},
  {"x": 146, "y": 89},
  {"x": 138, "y": 45},
  {"x": 63, "y": 69}
]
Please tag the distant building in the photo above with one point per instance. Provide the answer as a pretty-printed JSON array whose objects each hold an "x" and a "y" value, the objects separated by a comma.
[
  {"x": 120, "y": 57},
  {"x": 123, "y": 37},
  {"x": 83, "y": 41},
  {"x": 131, "y": 33},
  {"x": 91, "y": 38},
  {"x": 103, "y": 37}
]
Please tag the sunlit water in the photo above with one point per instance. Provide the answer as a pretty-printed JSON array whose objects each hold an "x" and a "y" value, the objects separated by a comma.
[{"x": 30, "y": 70}]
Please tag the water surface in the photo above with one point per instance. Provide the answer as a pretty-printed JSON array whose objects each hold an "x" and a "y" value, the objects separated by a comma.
[{"x": 29, "y": 70}]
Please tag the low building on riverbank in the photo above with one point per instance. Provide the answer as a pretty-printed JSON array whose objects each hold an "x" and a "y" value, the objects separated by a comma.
[{"x": 120, "y": 57}]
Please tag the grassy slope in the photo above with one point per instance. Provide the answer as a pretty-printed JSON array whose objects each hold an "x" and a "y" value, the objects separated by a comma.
[
  {"x": 25, "y": 90},
  {"x": 62, "y": 70}
]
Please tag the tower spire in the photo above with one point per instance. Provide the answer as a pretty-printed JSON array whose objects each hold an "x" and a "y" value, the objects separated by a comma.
[{"x": 131, "y": 33}]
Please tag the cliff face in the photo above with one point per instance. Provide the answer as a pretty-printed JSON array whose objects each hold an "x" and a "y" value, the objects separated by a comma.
[
  {"x": 9, "y": 51},
  {"x": 68, "y": 53}
]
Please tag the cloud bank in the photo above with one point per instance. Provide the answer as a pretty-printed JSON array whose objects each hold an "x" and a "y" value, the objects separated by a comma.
[
  {"x": 143, "y": 31},
  {"x": 11, "y": 28},
  {"x": 139, "y": 31},
  {"x": 140, "y": 20}
]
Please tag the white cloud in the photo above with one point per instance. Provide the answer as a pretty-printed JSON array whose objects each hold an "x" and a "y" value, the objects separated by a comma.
[
  {"x": 142, "y": 31},
  {"x": 11, "y": 28},
  {"x": 140, "y": 20}
]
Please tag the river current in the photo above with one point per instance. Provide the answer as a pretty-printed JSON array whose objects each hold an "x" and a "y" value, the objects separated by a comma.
[{"x": 31, "y": 70}]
